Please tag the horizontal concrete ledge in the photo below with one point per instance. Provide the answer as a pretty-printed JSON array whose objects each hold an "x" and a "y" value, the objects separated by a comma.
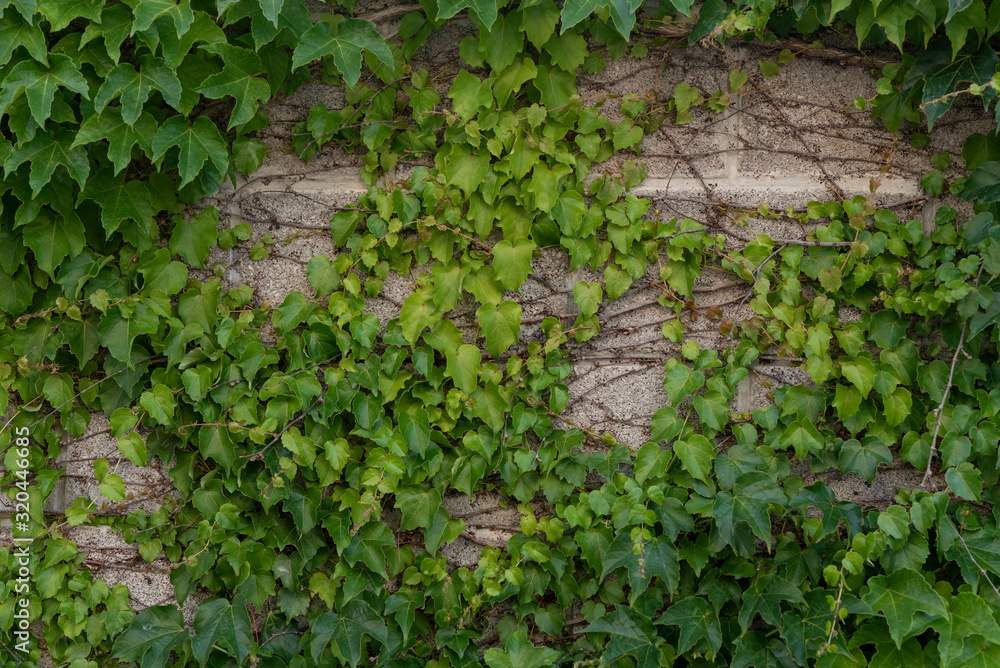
[{"x": 345, "y": 181}]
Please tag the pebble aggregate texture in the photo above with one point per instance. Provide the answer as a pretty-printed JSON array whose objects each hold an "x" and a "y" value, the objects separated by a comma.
[{"x": 794, "y": 138}]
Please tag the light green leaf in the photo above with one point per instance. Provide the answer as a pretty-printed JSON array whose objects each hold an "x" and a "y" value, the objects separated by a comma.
[
  {"x": 469, "y": 93},
  {"x": 500, "y": 324},
  {"x": 159, "y": 402},
  {"x": 512, "y": 262},
  {"x": 463, "y": 367},
  {"x": 696, "y": 454},
  {"x": 132, "y": 446},
  {"x": 965, "y": 480},
  {"x": 861, "y": 373},
  {"x": 238, "y": 79}
]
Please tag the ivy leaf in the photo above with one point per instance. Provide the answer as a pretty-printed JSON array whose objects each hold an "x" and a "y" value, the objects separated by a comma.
[
  {"x": 418, "y": 506},
  {"x": 53, "y": 240},
  {"x": 60, "y": 14},
  {"x": 469, "y": 93},
  {"x": 984, "y": 183},
  {"x": 417, "y": 313},
  {"x": 271, "y": 9},
  {"x": 539, "y": 22},
  {"x": 887, "y": 329},
  {"x": 159, "y": 402},
  {"x": 352, "y": 35},
  {"x": 567, "y": 51},
  {"x": 115, "y": 25},
  {"x": 698, "y": 622},
  {"x": 121, "y": 136},
  {"x": 696, "y": 454},
  {"x": 120, "y": 200},
  {"x": 680, "y": 381},
  {"x": 16, "y": 32},
  {"x": 416, "y": 431},
  {"x": 968, "y": 615},
  {"x": 861, "y": 373},
  {"x": 899, "y": 596},
  {"x": 147, "y": 11},
  {"x": 764, "y": 598},
  {"x": 466, "y": 168},
  {"x": 965, "y": 480},
  {"x": 941, "y": 73},
  {"x": 133, "y": 448},
  {"x": 512, "y": 262},
  {"x": 503, "y": 42},
  {"x": 864, "y": 459},
  {"x": 501, "y": 325},
  {"x": 214, "y": 443},
  {"x": 248, "y": 154},
  {"x": 237, "y": 79},
  {"x": 709, "y": 15},
  {"x": 518, "y": 652},
  {"x": 752, "y": 493},
  {"x": 46, "y": 152},
  {"x": 822, "y": 498},
  {"x": 135, "y": 86},
  {"x": 630, "y": 634},
  {"x": 347, "y": 630},
  {"x": 803, "y": 436},
  {"x": 485, "y": 10},
  {"x": 197, "y": 142},
  {"x": 192, "y": 238},
  {"x": 370, "y": 546},
  {"x": 713, "y": 411},
  {"x": 403, "y": 605},
  {"x": 463, "y": 367},
  {"x": 221, "y": 620},
  {"x": 151, "y": 636}
]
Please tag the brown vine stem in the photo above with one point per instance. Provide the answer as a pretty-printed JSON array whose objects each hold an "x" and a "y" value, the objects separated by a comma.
[
  {"x": 979, "y": 567},
  {"x": 756, "y": 275},
  {"x": 302, "y": 416},
  {"x": 944, "y": 398},
  {"x": 799, "y": 46}
]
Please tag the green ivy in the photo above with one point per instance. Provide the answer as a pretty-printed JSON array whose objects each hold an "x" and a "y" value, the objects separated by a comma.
[{"x": 312, "y": 446}]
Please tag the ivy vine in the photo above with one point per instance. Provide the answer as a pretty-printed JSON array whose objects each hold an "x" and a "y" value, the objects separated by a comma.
[{"x": 312, "y": 446}]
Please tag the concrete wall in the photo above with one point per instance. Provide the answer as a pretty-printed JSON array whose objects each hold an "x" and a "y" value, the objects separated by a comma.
[{"x": 794, "y": 139}]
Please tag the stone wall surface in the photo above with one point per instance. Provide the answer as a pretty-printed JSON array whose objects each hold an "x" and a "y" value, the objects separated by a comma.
[{"x": 792, "y": 139}]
